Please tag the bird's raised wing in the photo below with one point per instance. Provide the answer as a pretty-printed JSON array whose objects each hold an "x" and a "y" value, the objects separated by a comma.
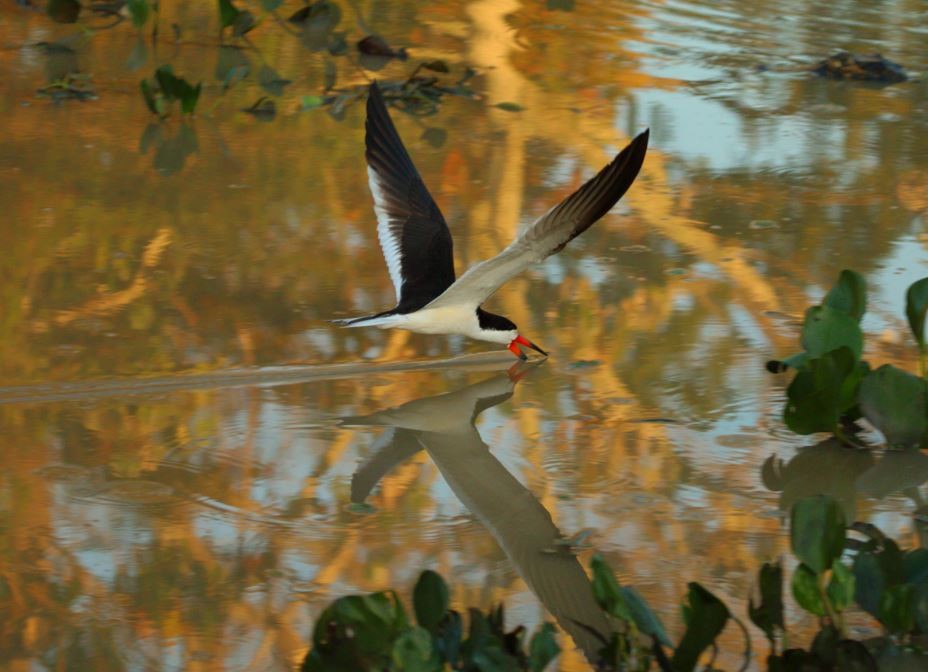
[
  {"x": 413, "y": 235},
  {"x": 552, "y": 231}
]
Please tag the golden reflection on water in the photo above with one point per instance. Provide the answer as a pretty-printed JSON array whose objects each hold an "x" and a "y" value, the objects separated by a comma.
[{"x": 195, "y": 518}]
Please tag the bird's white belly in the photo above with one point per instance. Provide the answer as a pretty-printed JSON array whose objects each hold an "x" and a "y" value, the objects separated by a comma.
[{"x": 444, "y": 320}]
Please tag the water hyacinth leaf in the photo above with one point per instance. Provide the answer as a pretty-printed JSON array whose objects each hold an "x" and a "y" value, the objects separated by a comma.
[
  {"x": 707, "y": 617},
  {"x": 357, "y": 628},
  {"x": 271, "y": 5},
  {"x": 806, "y": 591},
  {"x": 375, "y": 45},
  {"x": 849, "y": 295},
  {"x": 63, "y": 11},
  {"x": 841, "y": 586},
  {"x": 817, "y": 531},
  {"x": 448, "y": 639},
  {"x": 138, "y": 10},
  {"x": 897, "y": 608},
  {"x": 768, "y": 614},
  {"x": 412, "y": 652},
  {"x": 915, "y": 563},
  {"x": 643, "y": 616},
  {"x": 271, "y": 81},
  {"x": 318, "y": 20},
  {"x": 189, "y": 97},
  {"x": 148, "y": 95},
  {"x": 916, "y": 307},
  {"x": 227, "y": 13},
  {"x": 436, "y": 137},
  {"x": 825, "y": 644},
  {"x": 430, "y": 600},
  {"x": 436, "y": 66},
  {"x": 826, "y": 329},
  {"x": 896, "y": 403},
  {"x": 870, "y": 582},
  {"x": 232, "y": 66},
  {"x": 920, "y": 606},
  {"x": 606, "y": 590},
  {"x": 311, "y": 102},
  {"x": 509, "y": 107},
  {"x": 244, "y": 22},
  {"x": 822, "y": 391},
  {"x": 338, "y": 43},
  {"x": 542, "y": 648},
  {"x": 853, "y": 656}
]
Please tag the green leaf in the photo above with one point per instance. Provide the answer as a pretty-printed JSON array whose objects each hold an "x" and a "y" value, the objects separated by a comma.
[
  {"x": 643, "y": 616},
  {"x": 849, "y": 295},
  {"x": 148, "y": 95},
  {"x": 896, "y": 403},
  {"x": 271, "y": 5},
  {"x": 448, "y": 639},
  {"x": 606, "y": 590},
  {"x": 916, "y": 306},
  {"x": 509, "y": 107},
  {"x": 841, "y": 586},
  {"x": 853, "y": 656},
  {"x": 874, "y": 573},
  {"x": 430, "y": 600},
  {"x": 915, "y": 563},
  {"x": 806, "y": 590},
  {"x": 817, "y": 531},
  {"x": 412, "y": 652},
  {"x": 825, "y": 644},
  {"x": 920, "y": 606},
  {"x": 311, "y": 102},
  {"x": 542, "y": 648},
  {"x": 227, "y": 13},
  {"x": 138, "y": 10},
  {"x": 271, "y": 81},
  {"x": 436, "y": 66},
  {"x": 189, "y": 97},
  {"x": 822, "y": 391},
  {"x": 244, "y": 22},
  {"x": 768, "y": 615},
  {"x": 825, "y": 329},
  {"x": 897, "y": 608},
  {"x": 707, "y": 618}
]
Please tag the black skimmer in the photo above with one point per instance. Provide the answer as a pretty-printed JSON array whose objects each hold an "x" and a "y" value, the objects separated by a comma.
[{"x": 418, "y": 249}]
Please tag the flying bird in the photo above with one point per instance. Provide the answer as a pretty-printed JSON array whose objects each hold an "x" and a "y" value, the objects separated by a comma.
[{"x": 418, "y": 248}]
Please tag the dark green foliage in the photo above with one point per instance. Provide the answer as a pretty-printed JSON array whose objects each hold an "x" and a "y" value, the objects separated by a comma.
[
  {"x": 165, "y": 88},
  {"x": 896, "y": 403},
  {"x": 705, "y": 617},
  {"x": 817, "y": 531},
  {"x": 768, "y": 613},
  {"x": 372, "y": 633},
  {"x": 833, "y": 387}
]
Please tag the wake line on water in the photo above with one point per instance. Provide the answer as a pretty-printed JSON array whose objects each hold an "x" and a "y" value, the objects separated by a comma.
[{"x": 265, "y": 376}]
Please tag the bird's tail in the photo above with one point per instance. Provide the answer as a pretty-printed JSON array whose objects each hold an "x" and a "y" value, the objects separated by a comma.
[{"x": 384, "y": 319}]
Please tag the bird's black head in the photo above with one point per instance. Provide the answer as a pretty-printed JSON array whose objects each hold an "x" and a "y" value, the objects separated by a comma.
[
  {"x": 492, "y": 322},
  {"x": 499, "y": 329}
]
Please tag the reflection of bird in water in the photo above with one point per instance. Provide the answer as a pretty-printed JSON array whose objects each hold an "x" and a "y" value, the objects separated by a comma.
[
  {"x": 443, "y": 426},
  {"x": 417, "y": 245}
]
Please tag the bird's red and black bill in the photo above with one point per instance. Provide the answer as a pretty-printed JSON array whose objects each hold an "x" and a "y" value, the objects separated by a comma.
[{"x": 521, "y": 340}]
